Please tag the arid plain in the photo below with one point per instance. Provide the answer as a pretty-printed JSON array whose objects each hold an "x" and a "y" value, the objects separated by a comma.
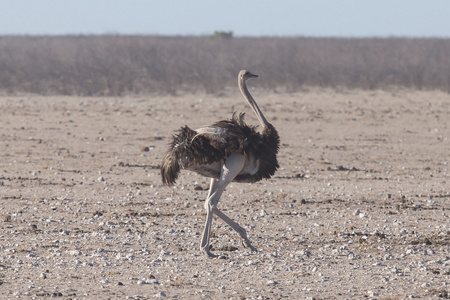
[{"x": 358, "y": 209}]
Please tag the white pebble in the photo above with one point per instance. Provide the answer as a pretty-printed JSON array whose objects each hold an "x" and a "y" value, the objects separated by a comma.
[
  {"x": 164, "y": 252},
  {"x": 74, "y": 252},
  {"x": 159, "y": 295}
]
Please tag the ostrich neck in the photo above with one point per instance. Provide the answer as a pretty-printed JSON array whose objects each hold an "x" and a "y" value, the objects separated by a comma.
[{"x": 252, "y": 103}]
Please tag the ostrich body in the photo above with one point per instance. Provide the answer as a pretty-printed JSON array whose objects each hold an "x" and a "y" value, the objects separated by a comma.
[{"x": 225, "y": 151}]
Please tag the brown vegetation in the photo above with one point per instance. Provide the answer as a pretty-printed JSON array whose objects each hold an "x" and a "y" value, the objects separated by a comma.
[{"x": 119, "y": 65}]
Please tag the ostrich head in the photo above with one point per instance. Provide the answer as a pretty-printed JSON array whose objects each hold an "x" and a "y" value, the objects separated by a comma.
[{"x": 244, "y": 74}]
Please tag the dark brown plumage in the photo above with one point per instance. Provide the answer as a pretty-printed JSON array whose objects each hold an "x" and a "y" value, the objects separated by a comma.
[{"x": 189, "y": 150}]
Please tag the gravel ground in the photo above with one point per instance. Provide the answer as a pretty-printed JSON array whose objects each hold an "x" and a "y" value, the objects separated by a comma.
[{"x": 359, "y": 208}]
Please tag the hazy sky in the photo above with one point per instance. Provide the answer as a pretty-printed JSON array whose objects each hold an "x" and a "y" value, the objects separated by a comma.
[{"x": 337, "y": 18}]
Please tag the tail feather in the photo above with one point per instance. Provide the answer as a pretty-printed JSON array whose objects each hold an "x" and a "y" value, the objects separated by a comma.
[{"x": 170, "y": 168}]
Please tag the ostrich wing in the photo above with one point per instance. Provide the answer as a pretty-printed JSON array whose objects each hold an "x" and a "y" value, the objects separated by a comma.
[{"x": 212, "y": 133}]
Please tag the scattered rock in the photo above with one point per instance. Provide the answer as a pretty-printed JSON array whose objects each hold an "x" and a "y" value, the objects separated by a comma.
[
  {"x": 160, "y": 295},
  {"x": 74, "y": 252}
]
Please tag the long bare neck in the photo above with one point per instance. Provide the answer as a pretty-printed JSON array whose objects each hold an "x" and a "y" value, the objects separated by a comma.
[{"x": 252, "y": 103}]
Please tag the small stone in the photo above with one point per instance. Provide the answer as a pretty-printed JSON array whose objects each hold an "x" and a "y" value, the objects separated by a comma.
[
  {"x": 388, "y": 256},
  {"x": 305, "y": 252},
  {"x": 271, "y": 282},
  {"x": 145, "y": 149},
  {"x": 130, "y": 256},
  {"x": 159, "y": 295},
  {"x": 410, "y": 251},
  {"x": 164, "y": 252},
  {"x": 439, "y": 262},
  {"x": 74, "y": 252},
  {"x": 43, "y": 276},
  {"x": 147, "y": 281},
  {"x": 101, "y": 179}
]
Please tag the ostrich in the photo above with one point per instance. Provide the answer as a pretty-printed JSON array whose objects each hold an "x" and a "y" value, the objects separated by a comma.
[{"x": 225, "y": 151}]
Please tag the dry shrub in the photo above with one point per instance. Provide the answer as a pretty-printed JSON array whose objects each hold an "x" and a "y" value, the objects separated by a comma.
[{"x": 115, "y": 65}]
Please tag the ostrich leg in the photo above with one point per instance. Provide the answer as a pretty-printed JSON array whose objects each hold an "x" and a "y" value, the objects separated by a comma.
[
  {"x": 241, "y": 231},
  {"x": 230, "y": 169}
]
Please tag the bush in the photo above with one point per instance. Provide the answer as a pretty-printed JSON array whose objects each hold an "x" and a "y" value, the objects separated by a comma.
[
  {"x": 222, "y": 35},
  {"x": 115, "y": 65}
]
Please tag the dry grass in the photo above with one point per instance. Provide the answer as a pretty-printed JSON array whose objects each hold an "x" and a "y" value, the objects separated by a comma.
[{"x": 119, "y": 65}]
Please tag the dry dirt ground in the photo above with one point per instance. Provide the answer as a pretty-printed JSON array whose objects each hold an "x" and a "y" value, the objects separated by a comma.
[{"x": 359, "y": 209}]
